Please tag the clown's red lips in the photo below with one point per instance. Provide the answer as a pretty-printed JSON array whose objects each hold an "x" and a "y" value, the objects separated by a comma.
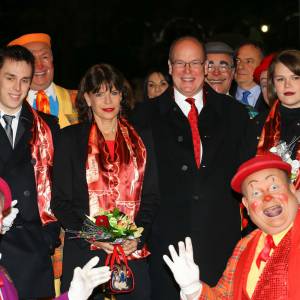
[{"x": 273, "y": 211}]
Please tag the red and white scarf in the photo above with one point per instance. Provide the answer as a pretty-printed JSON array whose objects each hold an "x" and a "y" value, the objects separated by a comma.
[
  {"x": 42, "y": 152},
  {"x": 116, "y": 182}
]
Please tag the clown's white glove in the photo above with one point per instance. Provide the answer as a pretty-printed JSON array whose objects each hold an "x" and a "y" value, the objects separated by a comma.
[
  {"x": 9, "y": 219},
  {"x": 183, "y": 267},
  {"x": 86, "y": 279}
]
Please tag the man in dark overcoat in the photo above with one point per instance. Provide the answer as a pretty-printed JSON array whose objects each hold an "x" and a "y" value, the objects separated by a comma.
[
  {"x": 194, "y": 174},
  {"x": 26, "y": 152}
]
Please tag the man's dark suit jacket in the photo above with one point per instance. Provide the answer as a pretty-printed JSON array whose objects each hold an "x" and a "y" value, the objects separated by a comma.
[
  {"x": 27, "y": 247},
  {"x": 194, "y": 202}
]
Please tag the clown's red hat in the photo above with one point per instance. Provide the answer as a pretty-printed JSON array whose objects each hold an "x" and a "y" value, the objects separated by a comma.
[
  {"x": 259, "y": 162},
  {"x": 264, "y": 65}
]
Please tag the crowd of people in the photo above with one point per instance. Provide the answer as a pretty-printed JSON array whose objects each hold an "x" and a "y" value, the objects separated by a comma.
[{"x": 176, "y": 164}]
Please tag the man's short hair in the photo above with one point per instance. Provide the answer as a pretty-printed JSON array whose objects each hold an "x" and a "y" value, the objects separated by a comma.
[
  {"x": 193, "y": 38},
  {"x": 16, "y": 53},
  {"x": 255, "y": 44}
]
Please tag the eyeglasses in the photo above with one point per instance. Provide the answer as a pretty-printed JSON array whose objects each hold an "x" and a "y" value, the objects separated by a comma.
[
  {"x": 223, "y": 68},
  {"x": 194, "y": 64}
]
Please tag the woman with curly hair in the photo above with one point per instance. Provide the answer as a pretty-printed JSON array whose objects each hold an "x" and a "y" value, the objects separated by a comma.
[{"x": 103, "y": 163}]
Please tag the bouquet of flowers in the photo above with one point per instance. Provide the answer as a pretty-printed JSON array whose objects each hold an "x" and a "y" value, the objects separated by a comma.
[
  {"x": 108, "y": 226},
  {"x": 284, "y": 150}
]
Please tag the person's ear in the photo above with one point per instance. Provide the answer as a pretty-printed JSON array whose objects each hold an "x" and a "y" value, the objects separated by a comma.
[
  {"x": 170, "y": 67},
  {"x": 245, "y": 202},
  {"x": 292, "y": 188},
  {"x": 206, "y": 67},
  {"x": 232, "y": 73}
]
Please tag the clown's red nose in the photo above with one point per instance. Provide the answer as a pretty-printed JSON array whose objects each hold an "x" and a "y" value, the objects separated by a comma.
[{"x": 267, "y": 198}]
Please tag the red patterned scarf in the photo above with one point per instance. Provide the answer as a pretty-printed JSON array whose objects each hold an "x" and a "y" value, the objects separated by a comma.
[
  {"x": 42, "y": 151},
  {"x": 270, "y": 135},
  {"x": 116, "y": 182}
]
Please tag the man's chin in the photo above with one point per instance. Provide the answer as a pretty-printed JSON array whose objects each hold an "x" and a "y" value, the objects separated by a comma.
[
  {"x": 218, "y": 88},
  {"x": 39, "y": 86}
]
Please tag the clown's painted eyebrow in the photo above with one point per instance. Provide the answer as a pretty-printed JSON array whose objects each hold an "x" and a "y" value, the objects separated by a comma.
[
  {"x": 270, "y": 176},
  {"x": 250, "y": 182},
  {"x": 267, "y": 177}
]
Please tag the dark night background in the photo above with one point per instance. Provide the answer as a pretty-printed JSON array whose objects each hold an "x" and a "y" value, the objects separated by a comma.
[{"x": 135, "y": 35}]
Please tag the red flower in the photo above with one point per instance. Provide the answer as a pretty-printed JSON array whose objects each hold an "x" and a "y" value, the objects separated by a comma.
[{"x": 102, "y": 221}]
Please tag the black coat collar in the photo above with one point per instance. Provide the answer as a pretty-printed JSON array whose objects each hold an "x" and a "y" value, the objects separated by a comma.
[
  {"x": 166, "y": 101},
  {"x": 25, "y": 121}
]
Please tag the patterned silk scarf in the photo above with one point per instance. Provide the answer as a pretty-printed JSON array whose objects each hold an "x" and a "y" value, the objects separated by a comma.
[
  {"x": 42, "y": 152},
  {"x": 116, "y": 182},
  {"x": 270, "y": 135}
]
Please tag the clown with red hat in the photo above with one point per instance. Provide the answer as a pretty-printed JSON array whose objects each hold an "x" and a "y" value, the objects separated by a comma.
[{"x": 265, "y": 264}]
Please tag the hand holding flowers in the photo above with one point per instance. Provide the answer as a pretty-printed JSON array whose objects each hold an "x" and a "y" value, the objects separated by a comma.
[{"x": 108, "y": 228}]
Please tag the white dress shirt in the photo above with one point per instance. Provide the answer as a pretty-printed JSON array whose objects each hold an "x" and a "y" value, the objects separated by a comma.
[
  {"x": 186, "y": 107},
  {"x": 253, "y": 96}
]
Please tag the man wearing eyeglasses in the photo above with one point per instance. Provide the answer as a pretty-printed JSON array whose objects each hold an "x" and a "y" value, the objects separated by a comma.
[
  {"x": 220, "y": 66},
  {"x": 197, "y": 137}
]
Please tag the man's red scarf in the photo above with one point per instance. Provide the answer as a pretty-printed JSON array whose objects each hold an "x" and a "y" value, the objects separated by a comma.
[
  {"x": 115, "y": 182},
  {"x": 42, "y": 152},
  {"x": 270, "y": 135}
]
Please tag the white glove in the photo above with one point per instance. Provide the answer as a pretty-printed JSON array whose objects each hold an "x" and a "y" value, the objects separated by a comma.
[
  {"x": 183, "y": 267},
  {"x": 86, "y": 279},
  {"x": 9, "y": 219}
]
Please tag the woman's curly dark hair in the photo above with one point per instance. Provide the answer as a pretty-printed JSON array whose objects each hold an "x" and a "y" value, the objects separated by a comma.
[{"x": 95, "y": 77}]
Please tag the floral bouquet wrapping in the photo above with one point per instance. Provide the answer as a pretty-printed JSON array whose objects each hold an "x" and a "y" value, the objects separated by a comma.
[
  {"x": 114, "y": 227},
  {"x": 108, "y": 226}
]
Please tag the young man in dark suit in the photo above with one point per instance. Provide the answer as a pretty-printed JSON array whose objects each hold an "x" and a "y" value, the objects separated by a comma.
[
  {"x": 197, "y": 138},
  {"x": 26, "y": 154}
]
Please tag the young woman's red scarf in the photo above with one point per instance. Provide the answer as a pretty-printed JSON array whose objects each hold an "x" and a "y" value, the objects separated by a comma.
[
  {"x": 270, "y": 135},
  {"x": 42, "y": 152},
  {"x": 116, "y": 182}
]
